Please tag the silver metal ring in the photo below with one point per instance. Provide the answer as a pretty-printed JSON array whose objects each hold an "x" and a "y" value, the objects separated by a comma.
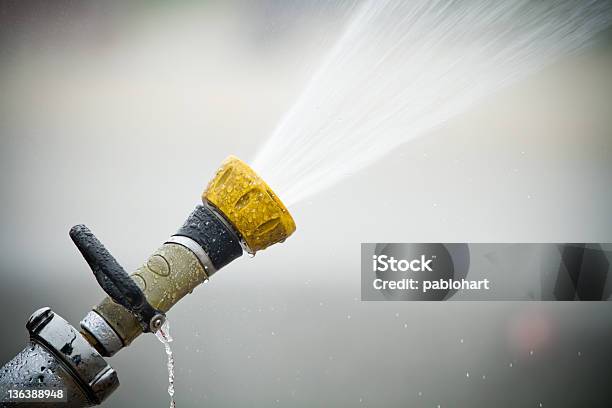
[
  {"x": 106, "y": 336},
  {"x": 196, "y": 249}
]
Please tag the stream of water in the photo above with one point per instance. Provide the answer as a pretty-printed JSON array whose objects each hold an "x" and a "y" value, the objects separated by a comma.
[
  {"x": 403, "y": 68},
  {"x": 163, "y": 335}
]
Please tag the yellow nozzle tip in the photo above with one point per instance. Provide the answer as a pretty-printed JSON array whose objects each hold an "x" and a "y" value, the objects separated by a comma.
[{"x": 249, "y": 204}]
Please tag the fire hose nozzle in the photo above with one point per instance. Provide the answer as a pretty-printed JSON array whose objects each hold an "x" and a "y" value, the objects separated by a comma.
[{"x": 239, "y": 211}]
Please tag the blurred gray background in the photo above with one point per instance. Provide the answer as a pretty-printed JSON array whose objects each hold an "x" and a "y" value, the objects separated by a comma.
[{"x": 116, "y": 115}]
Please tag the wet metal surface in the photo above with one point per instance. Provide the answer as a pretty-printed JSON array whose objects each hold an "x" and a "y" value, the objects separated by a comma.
[{"x": 59, "y": 357}]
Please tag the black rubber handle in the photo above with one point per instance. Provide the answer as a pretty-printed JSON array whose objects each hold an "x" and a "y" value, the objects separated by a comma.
[{"x": 112, "y": 277}]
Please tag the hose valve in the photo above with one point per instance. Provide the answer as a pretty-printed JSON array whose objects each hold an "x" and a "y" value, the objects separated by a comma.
[{"x": 114, "y": 279}]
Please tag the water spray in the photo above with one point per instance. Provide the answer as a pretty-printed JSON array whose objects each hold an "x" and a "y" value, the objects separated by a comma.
[
  {"x": 402, "y": 69},
  {"x": 239, "y": 213}
]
